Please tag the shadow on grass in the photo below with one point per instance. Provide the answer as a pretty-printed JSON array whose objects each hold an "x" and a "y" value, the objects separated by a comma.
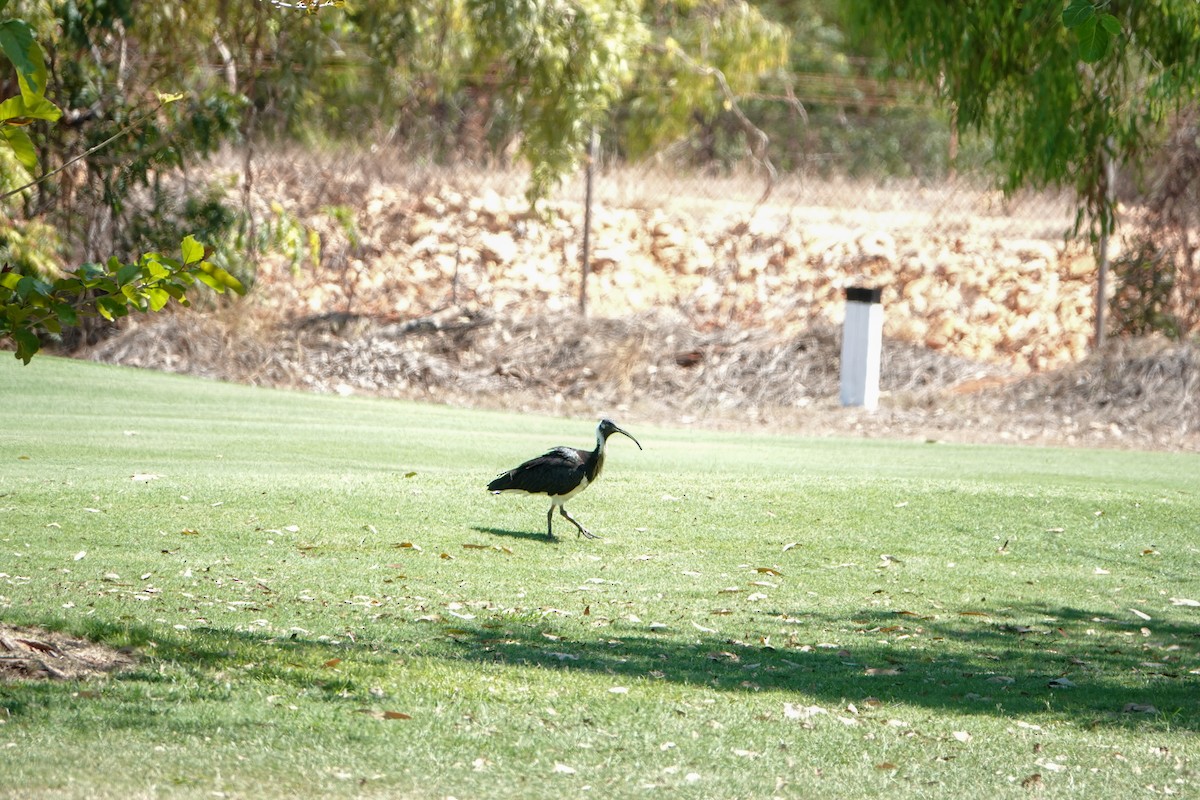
[
  {"x": 1069, "y": 662},
  {"x": 1074, "y": 663},
  {"x": 526, "y": 535}
]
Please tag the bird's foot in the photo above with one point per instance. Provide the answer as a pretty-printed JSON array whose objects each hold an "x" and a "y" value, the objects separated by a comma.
[{"x": 585, "y": 533}]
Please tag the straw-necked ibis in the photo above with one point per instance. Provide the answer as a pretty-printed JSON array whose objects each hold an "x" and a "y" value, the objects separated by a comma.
[{"x": 560, "y": 474}]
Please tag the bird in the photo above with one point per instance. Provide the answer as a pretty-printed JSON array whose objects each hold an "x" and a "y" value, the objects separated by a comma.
[{"x": 560, "y": 473}]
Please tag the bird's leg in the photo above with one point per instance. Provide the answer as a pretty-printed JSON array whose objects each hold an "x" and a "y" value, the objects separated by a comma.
[
  {"x": 550, "y": 523},
  {"x": 582, "y": 530}
]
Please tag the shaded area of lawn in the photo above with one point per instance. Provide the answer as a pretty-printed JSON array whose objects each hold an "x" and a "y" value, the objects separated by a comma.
[{"x": 1068, "y": 662}]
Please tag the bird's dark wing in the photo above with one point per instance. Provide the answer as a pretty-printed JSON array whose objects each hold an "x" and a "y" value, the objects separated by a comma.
[{"x": 556, "y": 472}]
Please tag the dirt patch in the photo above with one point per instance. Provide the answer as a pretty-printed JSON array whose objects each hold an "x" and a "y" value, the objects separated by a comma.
[{"x": 39, "y": 654}]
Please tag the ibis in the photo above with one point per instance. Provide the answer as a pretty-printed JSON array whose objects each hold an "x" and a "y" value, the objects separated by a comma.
[{"x": 561, "y": 473}]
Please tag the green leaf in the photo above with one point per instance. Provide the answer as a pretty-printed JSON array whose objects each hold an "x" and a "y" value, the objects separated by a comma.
[
  {"x": 110, "y": 307},
  {"x": 24, "y": 109},
  {"x": 9, "y": 280},
  {"x": 158, "y": 298},
  {"x": 29, "y": 285},
  {"x": 155, "y": 269},
  {"x": 193, "y": 251},
  {"x": 1110, "y": 24},
  {"x": 27, "y": 343},
  {"x": 22, "y": 146},
  {"x": 66, "y": 314},
  {"x": 127, "y": 273},
  {"x": 1093, "y": 41},
  {"x": 18, "y": 43},
  {"x": 1077, "y": 13},
  {"x": 219, "y": 279}
]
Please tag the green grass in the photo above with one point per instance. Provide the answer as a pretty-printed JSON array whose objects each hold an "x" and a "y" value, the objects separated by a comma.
[{"x": 737, "y": 632}]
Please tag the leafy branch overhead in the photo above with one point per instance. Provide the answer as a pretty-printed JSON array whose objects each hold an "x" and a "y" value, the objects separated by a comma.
[
  {"x": 1094, "y": 30},
  {"x": 29, "y": 304},
  {"x": 1061, "y": 91},
  {"x": 18, "y": 44}
]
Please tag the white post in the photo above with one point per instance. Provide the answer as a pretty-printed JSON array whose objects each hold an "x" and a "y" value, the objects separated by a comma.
[{"x": 862, "y": 345}]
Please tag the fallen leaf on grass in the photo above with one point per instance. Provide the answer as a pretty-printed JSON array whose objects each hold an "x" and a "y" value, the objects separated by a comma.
[
  {"x": 80, "y": 555},
  {"x": 376, "y": 714},
  {"x": 499, "y": 548},
  {"x": 1140, "y": 614},
  {"x": 882, "y": 671},
  {"x": 962, "y": 736},
  {"x": 563, "y": 769},
  {"x": 331, "y": 663},
  {"x": 1061, "y": 683},
  {"x": 790, "y": 545},
  {"x": 142, "y": 477},
  {"x": 1139, "y": 708},
  {"x": 886, "y": 765},
  {"x": 407, "y": 546},
  {"x": 1033, "y": 781},
  {"x": 802, "y": 713},
  {"x": 619, "y": 690},
  {"x": 1183, "y": 601},
  {"x": 768, "y": 571}
]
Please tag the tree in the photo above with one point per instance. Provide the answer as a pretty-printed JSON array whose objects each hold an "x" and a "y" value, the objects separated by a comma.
[
  {"x": 32, "y": 304},
  {"x": 1064, "y": 92}
]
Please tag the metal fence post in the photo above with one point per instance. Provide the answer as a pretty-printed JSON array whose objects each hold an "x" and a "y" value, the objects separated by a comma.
[{"x": 586, "y": 265}]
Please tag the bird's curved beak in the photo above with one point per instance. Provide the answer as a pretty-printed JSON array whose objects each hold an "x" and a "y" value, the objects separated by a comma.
[{"x": 630, "y": 435}]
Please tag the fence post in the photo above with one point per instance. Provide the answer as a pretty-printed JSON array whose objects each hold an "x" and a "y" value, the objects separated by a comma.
[
  {"x": 586, "y": 265},
  {"x": 862, "y": 346}
]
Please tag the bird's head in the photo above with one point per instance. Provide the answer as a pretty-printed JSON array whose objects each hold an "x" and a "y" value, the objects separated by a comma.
[{"x": 607, "y": 428}]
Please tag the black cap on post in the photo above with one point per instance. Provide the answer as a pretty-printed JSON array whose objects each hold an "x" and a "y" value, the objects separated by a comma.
[{"x": 861, "y": 294}]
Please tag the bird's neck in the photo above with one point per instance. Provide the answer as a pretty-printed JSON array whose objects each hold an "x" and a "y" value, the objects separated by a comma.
[{"x": 597, "y": 460}]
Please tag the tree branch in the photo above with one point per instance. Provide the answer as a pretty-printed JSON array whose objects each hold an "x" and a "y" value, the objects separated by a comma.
[{"x": 758, "y": 137}]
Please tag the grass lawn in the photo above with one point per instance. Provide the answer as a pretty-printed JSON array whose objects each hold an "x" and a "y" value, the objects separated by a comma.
[{"x": 325, "y": 602}]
